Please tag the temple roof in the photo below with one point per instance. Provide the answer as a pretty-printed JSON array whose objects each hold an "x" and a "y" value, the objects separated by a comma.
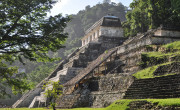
[{"x": 108, "y": 21}]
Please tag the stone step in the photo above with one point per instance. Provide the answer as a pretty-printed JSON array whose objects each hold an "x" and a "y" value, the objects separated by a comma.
[
  {"x": 151, "y": 94},
  {"x": 164, "y": 86},
  {"x": 155, "y": 82},
  {"x": 152, "y": 90},
  {"x": 155, "y": 88}
]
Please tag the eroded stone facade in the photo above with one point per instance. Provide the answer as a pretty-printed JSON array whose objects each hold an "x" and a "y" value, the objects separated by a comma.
[{"x": 109, "y": 26}]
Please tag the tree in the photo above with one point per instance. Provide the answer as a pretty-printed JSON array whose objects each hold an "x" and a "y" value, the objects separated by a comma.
[
  {"x": 150, "y": 14},
  {"x": 27, "y": 32},
  {"x": 53, "y": 93},
  {"x": 176, "y": 6}
]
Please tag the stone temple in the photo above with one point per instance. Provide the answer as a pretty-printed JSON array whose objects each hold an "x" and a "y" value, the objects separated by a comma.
[
  {"x": 100, "y": 71},
  {"x": 108, "y": 27}
]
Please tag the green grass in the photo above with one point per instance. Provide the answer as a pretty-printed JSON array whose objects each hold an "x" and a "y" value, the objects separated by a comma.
[
  {"x": 148, "y": 72},
  {"x": 157, "y": 59},
  {"x": 160, "y": 57},
  {"x": 123, "y": 104},
  {"x": 159, "y": 54},
  {"x": 173, "y": 45},
  {"x": 166, "y": 102},
  {"x": 154, "y": 58},
  {"x": 118, "y": 105}
]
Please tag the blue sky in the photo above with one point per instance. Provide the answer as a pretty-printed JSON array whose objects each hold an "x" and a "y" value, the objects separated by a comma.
[{"x": 74, "y": 6}]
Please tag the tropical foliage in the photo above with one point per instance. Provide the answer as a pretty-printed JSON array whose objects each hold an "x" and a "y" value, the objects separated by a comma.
[
  {"x": 26, "y": 33},
  {"x": 149, "y": 14},
  {"x": 53, "y": 93}
]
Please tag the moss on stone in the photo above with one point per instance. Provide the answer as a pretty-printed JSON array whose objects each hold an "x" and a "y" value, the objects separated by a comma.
[
  {"x": 158, "y": 57},
  {"x": 173, "y": 45},
  {"x": 148, "y": 72}
]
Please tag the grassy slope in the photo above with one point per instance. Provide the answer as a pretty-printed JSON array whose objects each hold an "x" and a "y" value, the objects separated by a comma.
[
  {"x": 123, "y": 104},
  {"x": 119, "y": 105},
  {"x": 174, "y": 45},
  {"x": 148, "y": 72}
]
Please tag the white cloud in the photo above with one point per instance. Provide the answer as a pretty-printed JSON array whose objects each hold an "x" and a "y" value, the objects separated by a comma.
[
  {"x": 58, "y": 6},
  {"x": 115, "y": 1},
  {"x": 61, "y": 3}
]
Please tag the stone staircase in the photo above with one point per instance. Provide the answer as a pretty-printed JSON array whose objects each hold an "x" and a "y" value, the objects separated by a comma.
[
  {"x": 70, "y": 68},
  {"x": 65, "y": 71},
  {"x": 26, "y": 99},
  {"x": 88, "y": 70},
  {"x": 159, "y": 87},
  {"x": 87, "y": 54}
]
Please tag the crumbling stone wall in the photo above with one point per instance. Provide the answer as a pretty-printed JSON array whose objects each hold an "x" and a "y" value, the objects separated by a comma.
[{"x": 98, "y": 92}]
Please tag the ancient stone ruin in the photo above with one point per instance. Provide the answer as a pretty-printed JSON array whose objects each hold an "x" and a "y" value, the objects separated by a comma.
[{"x": 101, "y": 71}]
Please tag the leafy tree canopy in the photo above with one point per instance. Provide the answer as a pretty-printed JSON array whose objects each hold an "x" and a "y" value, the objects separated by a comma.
[
  {"x": 149, "y": 14},
  {"x": 26, "y": 32}
]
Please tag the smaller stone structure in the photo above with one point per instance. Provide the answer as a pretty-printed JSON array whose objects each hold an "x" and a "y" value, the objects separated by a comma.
[{"x": 167, "y": 31}]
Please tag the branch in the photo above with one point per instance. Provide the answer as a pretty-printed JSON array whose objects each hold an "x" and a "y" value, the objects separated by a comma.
[
  {"x": 11, "y": 52},
  {"x": 13, "y": 26}
]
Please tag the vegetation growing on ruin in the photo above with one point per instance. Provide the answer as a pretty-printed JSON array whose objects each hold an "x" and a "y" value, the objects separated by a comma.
[
  {"x": 156, "y": 59},
  {"x": 120, "y": 104},
  {"x": 174, "y": 45},
  {"x": 148, "y": 72},
  {"x": 124, "y": 103}
]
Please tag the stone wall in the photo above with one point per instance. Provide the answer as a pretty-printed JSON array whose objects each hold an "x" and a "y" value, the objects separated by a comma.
[
  {"x": 143, "y": 40},
  {"x": 167, "y": 33},
  {"x": 112, "y": 31},
  {"x": 109, "y": 88},
  {"x": 111, "y": 42},
  {"x": 98, "y": 92}
]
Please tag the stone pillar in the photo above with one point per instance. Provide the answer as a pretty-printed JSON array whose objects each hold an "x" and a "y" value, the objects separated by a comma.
[
  {"x": 94, "y": 36},
  {"x": 97, "y": 33},
  {"x": 86, "y": 40},
  {"x": 90, "y": 38},
  {"x": 82, "y": 42}
]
